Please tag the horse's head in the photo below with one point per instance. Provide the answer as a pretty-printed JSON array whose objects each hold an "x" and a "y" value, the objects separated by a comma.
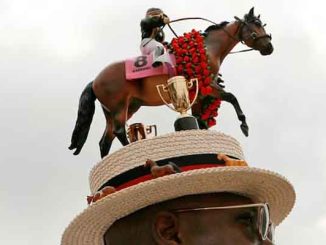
[{"x": 253, "y": 34}]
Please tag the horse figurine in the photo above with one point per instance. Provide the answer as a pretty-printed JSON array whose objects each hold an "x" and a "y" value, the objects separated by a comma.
[{"x": 121, "y": 98}]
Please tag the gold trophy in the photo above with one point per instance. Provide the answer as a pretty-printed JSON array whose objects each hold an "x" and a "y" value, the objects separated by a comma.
[
  {"x": 139, "y": 131},
  {"x": 178, "y": 90}
]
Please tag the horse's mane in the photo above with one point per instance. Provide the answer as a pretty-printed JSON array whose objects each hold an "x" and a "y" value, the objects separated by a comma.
[{"x": 216, "y": 27}]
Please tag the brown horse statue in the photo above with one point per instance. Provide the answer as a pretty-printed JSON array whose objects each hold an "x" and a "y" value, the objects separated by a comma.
[{"x": 121, "y": 98}]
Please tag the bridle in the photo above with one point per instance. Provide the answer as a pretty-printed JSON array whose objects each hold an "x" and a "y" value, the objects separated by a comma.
[{"x": 253, "y": 35}]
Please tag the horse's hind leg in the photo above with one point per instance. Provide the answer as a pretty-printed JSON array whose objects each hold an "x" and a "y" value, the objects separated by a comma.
[
  {"x": 119, "y": 119},
  {"x": 120, "y": 131},
  {"x": 108, "y": 136},
  {"x": 229, "y": 97},
  {"x": 106, "y": 142},
  {"x": 130, "y": 107}
]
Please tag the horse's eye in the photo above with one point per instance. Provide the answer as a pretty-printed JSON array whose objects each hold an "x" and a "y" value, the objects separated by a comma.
[
  {"x": 253, "y": 35},
  {"x": 258, "y": 23}
]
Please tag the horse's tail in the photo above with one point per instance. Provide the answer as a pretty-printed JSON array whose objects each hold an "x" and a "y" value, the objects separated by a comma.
[{"x": 86, "y": 111}]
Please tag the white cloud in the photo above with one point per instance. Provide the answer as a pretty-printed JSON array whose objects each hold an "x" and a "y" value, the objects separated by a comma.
[{"x": 321, "y": 224}]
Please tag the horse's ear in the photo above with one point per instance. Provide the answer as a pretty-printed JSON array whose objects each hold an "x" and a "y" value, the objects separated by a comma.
[
  {"x": 251, "y": 12},
  {"x": 258, "y": 16}
]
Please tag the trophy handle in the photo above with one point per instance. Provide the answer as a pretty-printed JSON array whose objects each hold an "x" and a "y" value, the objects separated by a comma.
[
  {"x": 165, "y": 90},
  {"x": 190, "y": 84},
  {"x": 149, "y": 129}
]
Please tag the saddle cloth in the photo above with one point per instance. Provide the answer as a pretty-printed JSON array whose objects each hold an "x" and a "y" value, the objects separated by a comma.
[{"x": 141, "y": 67}]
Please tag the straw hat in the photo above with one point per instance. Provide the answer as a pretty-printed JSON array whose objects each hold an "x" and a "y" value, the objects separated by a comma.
[{"x": 196, "y": 153}]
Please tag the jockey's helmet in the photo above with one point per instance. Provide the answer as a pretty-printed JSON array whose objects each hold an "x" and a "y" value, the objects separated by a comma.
[{"x": 154, "y": 12}]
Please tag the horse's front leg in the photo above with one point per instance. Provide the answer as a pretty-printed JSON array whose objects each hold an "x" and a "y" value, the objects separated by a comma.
[
  {"x": 229, "y": 97},
  {"x": 195, "y": 111}
]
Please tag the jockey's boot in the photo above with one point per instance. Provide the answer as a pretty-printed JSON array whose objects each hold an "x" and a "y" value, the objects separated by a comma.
[{"x": 158, "y": 57}]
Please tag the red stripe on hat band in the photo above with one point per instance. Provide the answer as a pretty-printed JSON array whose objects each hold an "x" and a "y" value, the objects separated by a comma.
[{"x": 150, "y": 177}]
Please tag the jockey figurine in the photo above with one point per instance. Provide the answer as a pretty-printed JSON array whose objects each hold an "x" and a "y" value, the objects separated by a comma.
[{"x": 153, "y": 36}]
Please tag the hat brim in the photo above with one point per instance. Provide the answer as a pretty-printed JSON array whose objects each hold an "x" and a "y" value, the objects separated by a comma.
[{"x": 260, "y": 185}]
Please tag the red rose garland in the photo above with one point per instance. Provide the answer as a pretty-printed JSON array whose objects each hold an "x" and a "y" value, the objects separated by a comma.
[{"x": 192, "y": 62}]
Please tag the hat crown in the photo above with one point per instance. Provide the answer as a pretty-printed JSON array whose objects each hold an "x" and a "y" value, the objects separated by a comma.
[{"x": 181, "y": 143}]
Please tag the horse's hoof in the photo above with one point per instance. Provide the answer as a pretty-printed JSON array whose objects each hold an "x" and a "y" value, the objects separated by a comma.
[
  {"x": 245, "y": 129},
  {"x": 77, "y": 151}
]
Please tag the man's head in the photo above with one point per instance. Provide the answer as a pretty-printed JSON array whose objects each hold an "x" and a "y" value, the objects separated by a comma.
[{"x": 185, "y": 221}]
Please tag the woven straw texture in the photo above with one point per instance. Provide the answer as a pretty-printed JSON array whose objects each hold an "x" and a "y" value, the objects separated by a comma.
[
  {"x": 170, "y": 145},
  {"x": 261, "y": 185}
]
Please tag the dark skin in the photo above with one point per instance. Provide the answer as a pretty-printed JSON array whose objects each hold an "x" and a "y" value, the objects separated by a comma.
[{"x": 159, "y": 225}]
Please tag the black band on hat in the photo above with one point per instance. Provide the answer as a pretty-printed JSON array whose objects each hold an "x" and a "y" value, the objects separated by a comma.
[{"x": 181, "y": 161}]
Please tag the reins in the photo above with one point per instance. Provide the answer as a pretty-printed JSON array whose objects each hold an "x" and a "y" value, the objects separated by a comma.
[{"x": 212, "y": 22}]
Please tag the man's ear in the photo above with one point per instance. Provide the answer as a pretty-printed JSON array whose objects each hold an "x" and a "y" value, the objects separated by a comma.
[{"x": 165, "y": 229}]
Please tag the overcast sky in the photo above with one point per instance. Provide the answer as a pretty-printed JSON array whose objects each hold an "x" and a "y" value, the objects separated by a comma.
[{"x": 49, "y": 51}]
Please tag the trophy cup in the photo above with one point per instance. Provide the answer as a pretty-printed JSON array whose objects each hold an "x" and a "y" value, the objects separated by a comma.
[
  {"x": 178, "y": 90},
  {"x": 139, "y": 131}
]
